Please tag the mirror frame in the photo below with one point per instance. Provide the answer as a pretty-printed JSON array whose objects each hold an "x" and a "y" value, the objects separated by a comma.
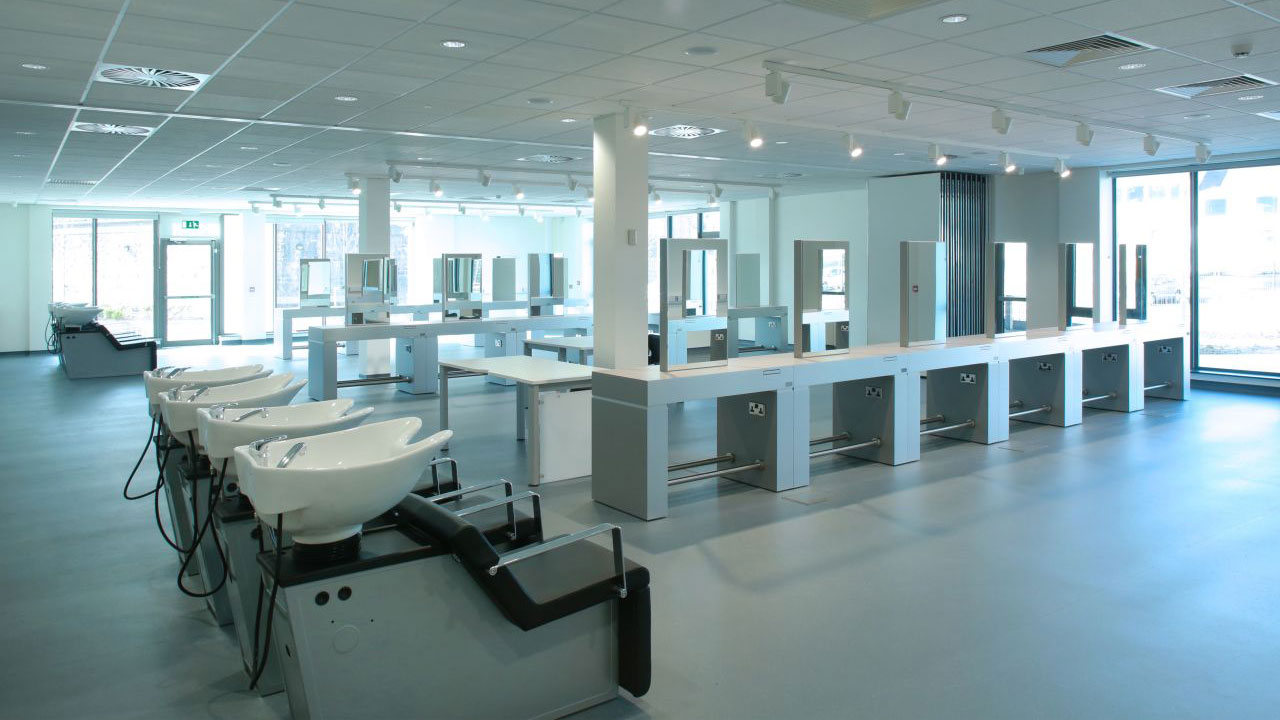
[
  {"x": 800, "y": 249},
  {"x": 673, "y": 254},
  {"x": 471, "y": 306}
]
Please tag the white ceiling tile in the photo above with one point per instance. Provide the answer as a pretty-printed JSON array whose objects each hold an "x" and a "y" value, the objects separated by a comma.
[
  {"x": 713, "y": 81},
  {"x": 658, "y": 96},
  {"x": 48, "y": 49},
  {"x": 243, "y": 14},
  {"x": 927, "y": 58},
  {"x": 726, "y": 50},
  {"x": 683, "y": 13},
  {"x": 989, "y": 70},
  {"x": 320, "y": 53},
  {"x": 982, "y": 16},
  {"x": 1183, "y": 31},
  {"x": 425, "y": 39},
  {"x": 601, "y": 32},
  {"x": 1119, "y": 15},
  {"x": 754, "y": 64},
  {"x": 519, "y": 18},
  {"x": 779, "y": 25},
  {"x": 353, "y": 28},
  {"x": 639, "y": 70},
  {"x": 404, "y": 64},
  {"x": 860, "y": 42},
  {"x": 504, "y": 76},
  {"x": 159, "y": 32},
  {"x": 583, "y": 86},
  {"x": 405, "y": 9},
  {"x": 45, "y": 17},
  {"x": 550, "y": 56},
  {"x": 1027, "y": 35}
]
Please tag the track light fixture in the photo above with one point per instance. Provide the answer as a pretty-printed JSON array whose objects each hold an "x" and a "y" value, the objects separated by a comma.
[
  {"x": 353, "y": 184},
  {"x": 653, "y": 194},
  {"x": 716, "y": 190},
  {"x": 1007, "y": 163},
  {"x": 484, "y": 177},
  {"x": 577, "y": 211},
  {"x": 752, "y": 134},
  {"x": 1084, "y": 134},
  {"x": 1001, "y": 122},
  {"x": 572, "y": 182},
  {"x": 436, "y": 189},
  {"x": 397, "y": 206},
  {"x": 396, "y": 175},
  {"x": 520, "y": 210},
  {"x": 936, "y": 155},
  {"x": 275, "y": 203},
  {"x": 1150, "y": 145},
  {"x": 773, "y": 193},
  {"x": 775, "y": 88},
  {"x": 899, "y": 106},
  {"x": 712, "y": 201},
  {"x": 519, "y": 192},
  {"x": 1061, "y": 168},
  {"x": 462, "y": 209},
  {"x": 1203, "y": 153},
  {"x": 321, "y": 203},
  {"x": 254, "y": 208},
  {"x": 855, "y": 147}
]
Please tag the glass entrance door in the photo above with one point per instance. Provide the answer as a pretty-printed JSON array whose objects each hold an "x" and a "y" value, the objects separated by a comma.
[{"x": 189, "y": 291}]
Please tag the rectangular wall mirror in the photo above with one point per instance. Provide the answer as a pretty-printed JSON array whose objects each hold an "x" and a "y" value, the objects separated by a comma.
[
  {"x": 315, "y": 285},
  {"x": 378, "y": 280},
  {"x": 547, "y": 283},
  {"x": 463, "y": 286},
  {"x": 694, "y": 288},
  {"x": 1132, "y": 277},
  {"x": 1076, "y": 268},
  {"x": 821, "y": 284},
  {"x": 1007, "y": 283},
  {"x": 922, "y": 288}
]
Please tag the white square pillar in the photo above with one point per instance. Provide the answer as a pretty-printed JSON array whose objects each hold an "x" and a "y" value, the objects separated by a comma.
[{"x": 621, "y": 176}]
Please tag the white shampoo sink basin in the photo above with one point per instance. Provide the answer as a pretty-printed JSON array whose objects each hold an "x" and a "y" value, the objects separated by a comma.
[
  {"x": 222, "y": 430},
  {"x": 167, "y": 378},
  {"x": 331, "y": 484},
  {"x": 178, "y": 407}
]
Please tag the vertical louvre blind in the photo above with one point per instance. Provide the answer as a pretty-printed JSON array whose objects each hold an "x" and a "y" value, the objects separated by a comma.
[{"x": 964, "y": 228}]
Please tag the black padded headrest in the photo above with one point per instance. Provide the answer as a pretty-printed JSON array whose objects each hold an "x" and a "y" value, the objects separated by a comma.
[{"x": 461, "y": 537}]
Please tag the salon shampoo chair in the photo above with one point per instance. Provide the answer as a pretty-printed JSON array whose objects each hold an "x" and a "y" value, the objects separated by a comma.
[{"x": 442, "y": 619}]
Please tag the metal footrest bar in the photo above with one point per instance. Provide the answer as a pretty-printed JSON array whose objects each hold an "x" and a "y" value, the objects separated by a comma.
[
  {"x": 1032, "y": 411},
  {"x": 873, "y": 442},
  {"x": 830, "y": 439},
  {"x": 1157, "y": 386},
  {"x": 948, "y": 428},
  {"x": 932, "y": 419},
  {"x": 758, "y": 465},
  {"x": 1095, "y": 398},
  {"x": 376, "y": 380},
  {"x": 727, "y": 457}
]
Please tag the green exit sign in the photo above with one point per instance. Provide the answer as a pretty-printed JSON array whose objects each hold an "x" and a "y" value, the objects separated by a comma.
[{"x": 190, "y": 224}]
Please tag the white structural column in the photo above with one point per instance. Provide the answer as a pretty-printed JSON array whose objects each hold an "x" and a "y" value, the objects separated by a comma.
[
  {"x": 621, "y": 165},
  {"x": 375, "y": 237}
]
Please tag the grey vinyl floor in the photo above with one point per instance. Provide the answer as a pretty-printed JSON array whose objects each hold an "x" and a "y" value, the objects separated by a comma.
[{"x": 1125, "y": 568}]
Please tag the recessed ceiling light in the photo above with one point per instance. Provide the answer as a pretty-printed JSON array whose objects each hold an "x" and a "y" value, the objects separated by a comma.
[
  {"x": 781, "y": 142},
  {"x": 35, "y": 66},
  {"x": 19, "y": 155},
  {"x": 540, "y": 101},
  {"x": 954, "y": 19},
  {"x": 454, "y": 44},
  {"x": 213, "y": 166},
  {"x": 899, "y": 154},
  {"x": 23, "y": 132},
  {"x": 1133, "y": 66},
  {"x": 345, "y": 98},
  {"x": 425, "y": 159},
  {"x": 568, "y": 120},
  {"x": 280, "y": 164},
  {"x": 1196, "y": 116},
  {"x": 1248, "y": 98},
  {"x": 248, "y": 147},
  {"x": 701, "y": 50}
]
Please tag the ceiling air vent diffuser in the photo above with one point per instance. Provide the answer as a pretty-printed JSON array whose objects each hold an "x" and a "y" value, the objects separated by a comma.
[
  {"x": 551, "y": 159},
  {"x": 685, "y": 132},
  {"x": 1078, "y": 52},
  {"x": 76, "y": 183},
  {"x": 112, "y": 129},
  {"x": 1238, "y": 83},
  {"x": 863, "y": 10},
  {"x": 150, "y": 77}
]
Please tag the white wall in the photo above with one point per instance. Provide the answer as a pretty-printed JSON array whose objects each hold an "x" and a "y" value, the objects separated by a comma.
[
  {"x": 502, "y": 236},
  {"x": 1084, "y": 216},
  {"x": 1024, "y": 208},
  {"x": 26, "y": 278},
  {"x": 901, "y": 208}
]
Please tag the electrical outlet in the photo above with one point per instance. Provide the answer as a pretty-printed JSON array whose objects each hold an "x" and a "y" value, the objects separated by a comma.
[
  {"x": 969, "y": 378},
  {"x": 1046, "y": 367},
  {"x": 1166, "y": 350},
  {"x": 497, "y": 342},
  {"x": 773, "y": 324},
  {"x": 755, "y": 408},
  {"x": 1110, "y": 357},
  {"x": 874, "y": 392}
]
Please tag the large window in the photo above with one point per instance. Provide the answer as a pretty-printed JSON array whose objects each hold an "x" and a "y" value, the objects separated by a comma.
[
  {"x": 1229, "y": 275},
  {"x": 333, "y": 239},
  {"x": 107, "y": 262}
]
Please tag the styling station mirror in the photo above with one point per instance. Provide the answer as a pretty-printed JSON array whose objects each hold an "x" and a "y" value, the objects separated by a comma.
[
  {"x": 1132, "y": 277},
  {"x": 367, "y": 289},
  {"x": 463, "y": 286},
  {"x": 315, "y": 283},
  {"x": 1075, "y": 286},
  {"x": 821, "y": 297},
  {"x": 694, "y": 287},
  {"x": 1006, "y": 289},
  {"x": 546, "y": 283},
  {"x": 923, "y": 293}
]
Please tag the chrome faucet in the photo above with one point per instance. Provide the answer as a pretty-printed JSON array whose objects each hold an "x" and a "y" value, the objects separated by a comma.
[
  {"x": 297, "y": 449},
  {"x": 260, "y": 411}
]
